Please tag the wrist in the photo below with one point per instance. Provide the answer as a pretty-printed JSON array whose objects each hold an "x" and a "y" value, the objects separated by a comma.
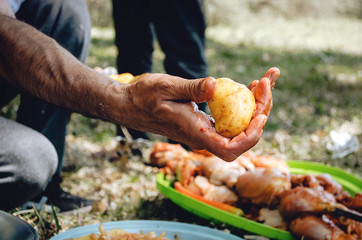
[{"x": 112, "y": 103}]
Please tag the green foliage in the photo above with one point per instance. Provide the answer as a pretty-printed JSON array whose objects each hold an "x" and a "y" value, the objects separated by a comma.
[
  {"x": 305, "y": 91},
  {"x": 100, "y": 12},
  {"x": 9, "y": 111},
  {"x": 231, "y": 12},
  {"x": 103, "y": 52},
  {"x": 97, "y": 130},
  {"x": 318, "y": 90}
]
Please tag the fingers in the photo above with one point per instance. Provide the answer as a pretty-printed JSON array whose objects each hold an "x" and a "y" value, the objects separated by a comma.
[
  {"x": 199, "y": 90},
  {"x": 197, "y": 130},
  {"x": 229, "y": 150},
  {"x": 251, "y": 136},
  {"x": 262, "y": 91},
  {"x": 263, "y": 97},
  {"x": 255, "y": 128},
  {"x": 252, "y": 86},
  {"x": 272, "y": 74}
]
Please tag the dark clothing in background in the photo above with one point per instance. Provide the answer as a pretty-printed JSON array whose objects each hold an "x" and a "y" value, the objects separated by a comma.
[
  {"x": 68, "y": 22},
  {"x": 179, "y": 27}
]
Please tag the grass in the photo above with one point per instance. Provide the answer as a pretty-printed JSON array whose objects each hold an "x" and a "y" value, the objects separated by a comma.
[{"x": 319, "y": 90}]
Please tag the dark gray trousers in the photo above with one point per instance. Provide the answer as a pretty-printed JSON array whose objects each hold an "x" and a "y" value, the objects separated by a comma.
[
  {"x": 179, "y": 27},
  {"x": 28, "y": 161}
]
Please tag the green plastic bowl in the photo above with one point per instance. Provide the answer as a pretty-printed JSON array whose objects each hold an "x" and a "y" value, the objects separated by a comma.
[{"x": 350, "y": 183}]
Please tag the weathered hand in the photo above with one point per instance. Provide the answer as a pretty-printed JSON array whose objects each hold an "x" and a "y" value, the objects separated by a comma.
[
  {"x": 262, "y": 91},
  {"x": 263, "y": 96},
  {"x": 165, "y": 105}
]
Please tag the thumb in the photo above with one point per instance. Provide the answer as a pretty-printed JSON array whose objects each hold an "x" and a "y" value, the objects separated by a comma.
[{"x": 198, "y": 90}]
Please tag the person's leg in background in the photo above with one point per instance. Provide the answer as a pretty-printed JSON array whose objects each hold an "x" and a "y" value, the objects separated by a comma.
[
  {"x": 68, "y": 22},
  {"x": 180, "y": 29},
  {"x": 134, "y": 41}
]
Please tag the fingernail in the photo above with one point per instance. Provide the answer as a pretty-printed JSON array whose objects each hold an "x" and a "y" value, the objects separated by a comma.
[
  {"x": 265, "y": 119},
  {"x": 206, "y": 81},
  {"x": 275, "y": 74},
  {"x": 203, "y": 85}
]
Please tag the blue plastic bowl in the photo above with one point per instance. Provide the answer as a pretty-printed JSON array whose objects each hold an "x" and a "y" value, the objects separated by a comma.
[
  {"x": 14, "y": 228},
  {"x": 174, "y": 230}
]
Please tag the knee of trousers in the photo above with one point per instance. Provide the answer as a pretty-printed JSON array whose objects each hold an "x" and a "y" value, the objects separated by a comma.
[
  {"x": 66, "y": 21},
  {"x": 77, "y": 26},
  {"x": 35, "y": 165},
  {"x": 28, "y": 160}
]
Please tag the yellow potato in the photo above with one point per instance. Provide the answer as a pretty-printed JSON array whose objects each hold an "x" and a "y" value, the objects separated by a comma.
[
  {"x": 232, "y": 107},
  {"x": 135, "y": 79},
  {"x": 123, "y": 77}
]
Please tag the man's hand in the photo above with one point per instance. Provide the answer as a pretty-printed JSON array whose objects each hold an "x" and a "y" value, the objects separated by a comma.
[
  {"x": 166, "y": 105},
  {"x": 157, "y": 103},
  {"x": 262, "y": 91}
]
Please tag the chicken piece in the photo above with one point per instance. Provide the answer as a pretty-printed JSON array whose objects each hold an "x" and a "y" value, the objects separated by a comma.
[
  {"x": 305, "y": 200},
  {"x": 194, "y": 187},
  {"x": 348, "y": 225},
  {"x": 163, "y": 152},
  {"x": 354, "y": 203},
  {"x": 322, "y": 182},
  {"x": 182, "y": 170},
  {"x": 309, "y": 181},
  {"x": 329, "y": 184},
  {"x": 220, "y": 172},
  {"x": 262, "y": 186},
  {"x": 215, "y": 193},
  {"x": 185, "y": 170},
  {"x": 267, "y": 161},
  {"x": 310, "y": 227},
  {"x": 271, "y": 218},
  {"x": 245, "y": 162}
]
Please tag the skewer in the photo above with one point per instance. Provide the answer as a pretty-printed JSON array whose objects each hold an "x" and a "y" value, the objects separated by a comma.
[{"x": 347, "y": 213}]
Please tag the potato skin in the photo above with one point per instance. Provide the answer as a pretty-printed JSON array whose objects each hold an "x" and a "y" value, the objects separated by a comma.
[
  {"x": 122, "y": 78},
  {"x": 232, "y": 107}
]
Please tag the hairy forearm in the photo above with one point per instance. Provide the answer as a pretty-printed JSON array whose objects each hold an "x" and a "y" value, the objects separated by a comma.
[{"x": 36, "y": 64}]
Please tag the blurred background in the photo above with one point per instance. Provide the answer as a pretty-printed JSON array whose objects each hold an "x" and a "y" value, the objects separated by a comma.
[
  {"x": 317, "y": 45},
  {"x": 317, "y": 113}
]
